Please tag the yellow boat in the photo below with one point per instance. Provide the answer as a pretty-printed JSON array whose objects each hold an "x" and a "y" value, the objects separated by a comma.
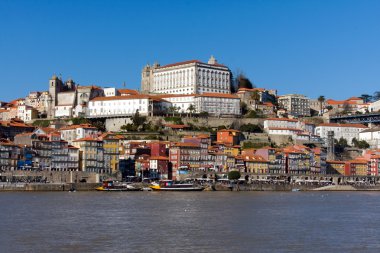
[{"x": 169, "y": 185}]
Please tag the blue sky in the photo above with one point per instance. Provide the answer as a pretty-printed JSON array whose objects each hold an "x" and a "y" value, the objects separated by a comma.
[{"x": 309, "y": 47}]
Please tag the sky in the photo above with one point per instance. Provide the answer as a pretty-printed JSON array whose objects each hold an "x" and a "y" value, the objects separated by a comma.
[{"x": 324, "y": 47}]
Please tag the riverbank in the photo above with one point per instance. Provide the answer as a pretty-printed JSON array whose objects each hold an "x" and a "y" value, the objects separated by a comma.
[
  {"x": 48, "y": 186},
  {"x": 213, "y": 187}
]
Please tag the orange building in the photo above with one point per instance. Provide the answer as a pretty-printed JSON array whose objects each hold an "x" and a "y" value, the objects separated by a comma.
[{"x": 230, "y": 136}]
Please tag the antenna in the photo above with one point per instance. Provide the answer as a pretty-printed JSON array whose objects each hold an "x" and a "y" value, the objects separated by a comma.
[{"x": 124, "y": 84}]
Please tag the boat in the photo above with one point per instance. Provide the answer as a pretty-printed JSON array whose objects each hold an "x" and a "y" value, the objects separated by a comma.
[
  {"x": 110, "y": 185},
  {"x": 170, "y": 185}
]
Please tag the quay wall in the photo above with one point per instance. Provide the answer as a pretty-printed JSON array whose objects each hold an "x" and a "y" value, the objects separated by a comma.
[{"x": 47, "y": 186}]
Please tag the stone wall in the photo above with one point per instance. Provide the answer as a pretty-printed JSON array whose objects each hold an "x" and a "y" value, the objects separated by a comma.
[{"x": 114, "y": 124}]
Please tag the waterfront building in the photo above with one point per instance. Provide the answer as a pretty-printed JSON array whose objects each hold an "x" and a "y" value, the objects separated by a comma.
[
  {"x": 9, "y": 155},
  {"x": 345, "y": 131},
  {"x": 297, "y": 160},
  {"x": 184, "y": 157},
  {"x": 357, "y": 167},
  {"x": 256, "y": 164},
  {"x": 111, "y": 145},
  {"x": 92, "y": 155},
  {"x": 159, "y": 167},
  {"x": 188, "y": 77},
  {"x": 336, "y": 167},
  {"x": 295, "y": 105},
  {"x": 276, "y": 160}
]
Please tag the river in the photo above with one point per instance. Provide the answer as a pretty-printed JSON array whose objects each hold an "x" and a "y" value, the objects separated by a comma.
[{"x": 190, "y": 222}]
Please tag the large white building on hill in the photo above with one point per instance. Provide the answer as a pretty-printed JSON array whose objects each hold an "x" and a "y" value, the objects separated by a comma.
[{"x": 188, "y": 77}]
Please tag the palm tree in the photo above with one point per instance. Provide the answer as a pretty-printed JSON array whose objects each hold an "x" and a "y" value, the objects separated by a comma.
[
  {"x": 191, "y": 109},
  {"x": 172, "y": 109},
  {"x": 321, "y": 100}
]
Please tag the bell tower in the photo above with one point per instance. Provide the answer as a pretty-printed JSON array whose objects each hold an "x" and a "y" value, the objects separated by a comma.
[{"x": 54, "y": 88}]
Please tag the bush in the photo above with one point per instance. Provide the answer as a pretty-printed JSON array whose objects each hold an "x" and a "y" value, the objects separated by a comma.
[
  {"x": 175, "y": 120},
  {"x": 233, "y": 175},
  {"x": 41, "y": 123},
  {"x": 78, "y": 121},
  {"x": 251, "y": 128}
]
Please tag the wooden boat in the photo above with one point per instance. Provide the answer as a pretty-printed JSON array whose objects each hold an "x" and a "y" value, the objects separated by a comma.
[
  {"x": 110, "y": 185},
  {"x": 170, "y": 185}
]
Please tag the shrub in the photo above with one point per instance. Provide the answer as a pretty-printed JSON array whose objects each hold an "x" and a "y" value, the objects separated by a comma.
[{"x": 233, "y": 175}]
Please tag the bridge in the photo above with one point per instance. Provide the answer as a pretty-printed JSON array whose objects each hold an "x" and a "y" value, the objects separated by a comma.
[{"x": 357, "y": 118}]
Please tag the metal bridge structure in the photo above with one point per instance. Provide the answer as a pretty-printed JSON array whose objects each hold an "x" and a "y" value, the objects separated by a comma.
[{"x": 357, "y": 118}]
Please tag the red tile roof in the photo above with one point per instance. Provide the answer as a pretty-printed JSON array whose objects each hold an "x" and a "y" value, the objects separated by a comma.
[
  {"x": 343, "y": 125},
  {"x": 282, "y": 119}
]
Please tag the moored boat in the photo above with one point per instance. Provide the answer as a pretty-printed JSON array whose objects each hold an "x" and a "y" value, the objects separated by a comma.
[
  {"x": 110, "y": 185},
  {"x": 170, "y": 185}
]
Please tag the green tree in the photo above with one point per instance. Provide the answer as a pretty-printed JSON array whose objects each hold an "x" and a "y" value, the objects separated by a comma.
[
  {"x": 251, "y": 128},
  {"x": 243, "y": 82},
  {"x": 243, "y": 108},
  {"x": 234, "y": 175},
  {"x": 366, "y": 98},
  {"x": 376, "y": 95},
  {"x": 191, "y": 109}
]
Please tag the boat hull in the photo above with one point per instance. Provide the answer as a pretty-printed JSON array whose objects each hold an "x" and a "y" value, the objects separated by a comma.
[
  {"x": 117, "y": 190},
  {"x": 177, "y": 189}
]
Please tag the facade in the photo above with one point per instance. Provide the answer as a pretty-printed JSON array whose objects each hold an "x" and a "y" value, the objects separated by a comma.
[
  {"x": 228, "y": 136},
  {"x": 184, "y": 157},
  {"x": 9, "y": 129},
  {"x": 91, "y": 154},
  {"x": 215, "y": 104},
  {"x": 9, "y": 155},
  {"x": 126, "y": 106},
  {"x": 371, "y": 136},
  {"x": 75, "y": 132},
  {"x": 345, "y": 131},
  {"x": 189, "y": 77},
  {"x": 295, "y": 105},
  {"x": 281, "y": 123}
]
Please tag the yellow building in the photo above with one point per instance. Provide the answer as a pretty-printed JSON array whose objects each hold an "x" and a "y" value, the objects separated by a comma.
[
  {"x": 111, "y": 145},
  {"x": 256, "y": 164}
]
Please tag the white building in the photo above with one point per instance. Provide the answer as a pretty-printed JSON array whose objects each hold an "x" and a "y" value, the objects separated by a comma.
[
  {"x": 75, "y": 132},
  {"x": 371, "y": 136},
  {"x": 215, "y": 104},
  {"x": 280, "y": 123},
  {"x": 111, "y": 92},
  {"x": 188, "y": 77},
  {"x": 345, "y": 131},
  {"x": 283, "y": 131},
  {"x": 374, "y": 107},
  {"x": 26, "y": 113},
  {"x": 296, "y": 105},
  {"x": 126, "y": 106}
]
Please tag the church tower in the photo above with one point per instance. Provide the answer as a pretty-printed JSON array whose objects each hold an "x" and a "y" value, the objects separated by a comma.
[
  {"x": 54, "y": 87},
  {"x": 147, "y": 77}
]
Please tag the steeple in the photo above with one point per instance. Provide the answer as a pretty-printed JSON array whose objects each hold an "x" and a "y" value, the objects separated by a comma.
[{"x": 212, "y": 60}]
